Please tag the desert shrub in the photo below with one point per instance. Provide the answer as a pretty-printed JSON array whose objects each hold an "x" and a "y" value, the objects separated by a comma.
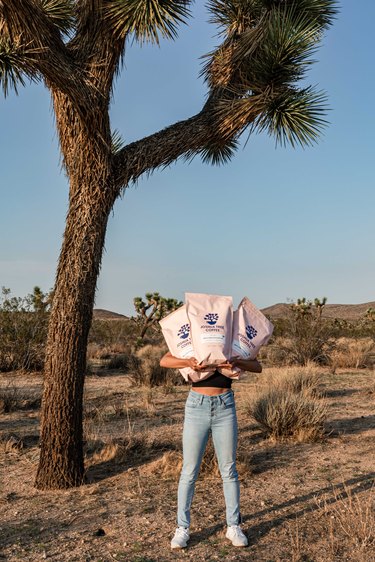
[
  {"x": 296, "y": 379},
  {"x": 120, "y": 362},
  {"x": 13, "y": 398},
  {"x": 353, "y": 353},
  {"x": 308, "y": 336},
  {"x": 10, "y": 399},
  {"x": 289, "y": 406},
  {"x": 275, "y": 354},
  {"x": 145, "y": 369},
  {"x": 285, "y": 414},
  {"x": 113, "y": 335},
  {"x": 23, "y": 330}
]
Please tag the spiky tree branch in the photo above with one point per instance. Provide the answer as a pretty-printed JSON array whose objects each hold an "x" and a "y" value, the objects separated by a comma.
[
  {"x": 252, "y": 78},
  {"x": 185, "y": 138},
  {"x": 94, "y": 44},
  {"x": 29, "y": 29}
]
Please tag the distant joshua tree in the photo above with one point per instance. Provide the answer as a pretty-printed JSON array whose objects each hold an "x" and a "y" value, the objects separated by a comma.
[
  {"x": 76, "y": 48},
  {"x": 153, "y": 310}
]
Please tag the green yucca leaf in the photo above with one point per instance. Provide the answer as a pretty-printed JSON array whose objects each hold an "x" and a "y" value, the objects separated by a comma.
[
  {"x": 117, "y": 141},
  {"x": 288, "y": 41},
  {"x": 234, "y": 16},
  {"x": 294, "y": 116},
  {"x": 237, "y": 114},
  {"x": 322, "y": 11},
  {"x": 147, "y": 19},
  {"x": 61, "y": 12},
  {"x": 13, "y": 70},
  {"x": 219, "y": 154}
]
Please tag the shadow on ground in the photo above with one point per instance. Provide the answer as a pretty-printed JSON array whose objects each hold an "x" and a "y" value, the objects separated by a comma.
[
  {"x": 352, "y": 486},
  {"x": 350, "y": 426}
]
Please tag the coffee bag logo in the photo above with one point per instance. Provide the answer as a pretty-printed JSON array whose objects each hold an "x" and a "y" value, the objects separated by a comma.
[
  {"x": 211, "y": 318},
  {"x": 251, "y": 332},
  {"x": 184, "y": 331}
]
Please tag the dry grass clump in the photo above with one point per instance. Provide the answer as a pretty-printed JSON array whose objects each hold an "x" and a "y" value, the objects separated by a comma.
[
  {"x": 12, "y": 398},
  {"x": 10, "y": 443},
  {"x": 100, "y": 352},
  {"x": 117, "y": 451},
  {"x": 288, "y": 405},
  {"x": 284, "y": 414},
  {"x": 296, "y": 379},
  {"x": 350, "y": 523},
  {"x": 145, "y": 369},
  {"x": 274, "y": 354},
  {"x": 353, "y": 353},
  {"x": 169, "y": 465},
  {"x": 120, "y": 362}
]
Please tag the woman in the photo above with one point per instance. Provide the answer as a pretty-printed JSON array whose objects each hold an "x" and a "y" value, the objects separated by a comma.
[{"x": 210, "y": 407}]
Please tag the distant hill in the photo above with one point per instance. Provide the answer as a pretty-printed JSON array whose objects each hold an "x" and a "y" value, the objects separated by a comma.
[
  {"x": 342, "y": 311},
  {"x": 100, "y": 314}
]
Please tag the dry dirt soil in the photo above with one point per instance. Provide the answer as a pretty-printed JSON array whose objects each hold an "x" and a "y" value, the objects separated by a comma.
[{"x": 311, "y": 502}]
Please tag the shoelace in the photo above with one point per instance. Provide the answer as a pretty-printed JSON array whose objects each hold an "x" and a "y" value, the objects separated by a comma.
[
  {"x": 237, "y": 530},
  {"x": 182, "y": 532}
]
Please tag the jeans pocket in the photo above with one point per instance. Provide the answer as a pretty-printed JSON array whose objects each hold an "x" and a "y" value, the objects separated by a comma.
[
  {"x": 228, "y": 400},
  {"x": 192, "y": 402}
]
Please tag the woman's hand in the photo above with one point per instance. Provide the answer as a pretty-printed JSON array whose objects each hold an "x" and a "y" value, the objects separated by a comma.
[{"x": 193, "y": 364}]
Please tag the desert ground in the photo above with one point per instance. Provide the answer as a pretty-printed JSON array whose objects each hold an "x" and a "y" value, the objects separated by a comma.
[{"x": 311, "y": 502}]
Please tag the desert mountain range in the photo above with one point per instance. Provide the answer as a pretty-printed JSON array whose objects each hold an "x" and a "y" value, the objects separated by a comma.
[{"x": 348, "y": 312}]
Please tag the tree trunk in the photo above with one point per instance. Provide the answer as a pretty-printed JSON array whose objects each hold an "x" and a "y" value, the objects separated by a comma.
[{"x": 88, "y": 161}]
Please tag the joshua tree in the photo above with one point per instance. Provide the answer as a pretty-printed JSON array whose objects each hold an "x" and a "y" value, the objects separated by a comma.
[
  {"x": 370, "y": 314},
  {"x": 150, "y": 312},
  {"x": 75, "y": 47}
]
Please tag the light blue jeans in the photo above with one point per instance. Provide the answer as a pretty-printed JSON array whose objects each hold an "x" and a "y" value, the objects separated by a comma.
[{"x": 205, "y": 414}]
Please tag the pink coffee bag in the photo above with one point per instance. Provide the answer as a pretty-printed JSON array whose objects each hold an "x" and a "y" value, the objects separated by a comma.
[
  {"x": 210, "y": 318},
  {"x": 177, "y": 334},
  {"x": 251, "y": 330}
]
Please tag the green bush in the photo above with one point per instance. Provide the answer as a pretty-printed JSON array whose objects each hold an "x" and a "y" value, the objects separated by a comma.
[
  {"x": 307, "y": 334},
  {"x": 120, "y": 362},
  {"x": 23, "y": 330}
]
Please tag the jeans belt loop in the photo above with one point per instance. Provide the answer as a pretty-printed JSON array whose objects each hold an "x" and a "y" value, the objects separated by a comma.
[{"x": 201, "y": 399}]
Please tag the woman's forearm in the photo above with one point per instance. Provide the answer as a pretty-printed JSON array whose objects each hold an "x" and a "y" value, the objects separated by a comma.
[
  {"x": 171, "y": 362},
  {"x": 251, "y": 365}
]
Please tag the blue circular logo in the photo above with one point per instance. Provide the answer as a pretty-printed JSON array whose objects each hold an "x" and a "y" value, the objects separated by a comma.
[
  {"x": 184, "y": 331},
  {"x": 211, "y": 318},
  {"x": 251, "y": 332}
]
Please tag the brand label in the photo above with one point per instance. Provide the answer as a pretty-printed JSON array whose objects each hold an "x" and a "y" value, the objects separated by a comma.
[{"x": 185, "y": 346}]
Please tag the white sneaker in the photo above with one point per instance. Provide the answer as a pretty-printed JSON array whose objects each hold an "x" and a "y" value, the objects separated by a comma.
[
  {"x": 181, "y": 537},
  {"x": 236, "y": 535}
]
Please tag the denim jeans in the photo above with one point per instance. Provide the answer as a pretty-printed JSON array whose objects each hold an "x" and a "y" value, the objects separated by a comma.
[{"x": 205, "y": 414}]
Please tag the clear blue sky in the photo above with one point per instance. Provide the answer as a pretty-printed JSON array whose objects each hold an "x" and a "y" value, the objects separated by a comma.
[{"x": 273, "y": 224}]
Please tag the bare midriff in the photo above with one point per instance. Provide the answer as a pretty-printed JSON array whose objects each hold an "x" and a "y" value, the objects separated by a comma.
[{"x": 210, "y": 391}]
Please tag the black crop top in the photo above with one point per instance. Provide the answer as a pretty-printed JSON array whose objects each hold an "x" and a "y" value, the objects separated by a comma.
[{"x": 215, "y": 380}]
